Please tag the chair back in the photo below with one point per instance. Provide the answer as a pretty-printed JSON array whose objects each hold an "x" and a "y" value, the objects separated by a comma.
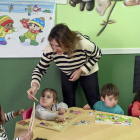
[
  {"x": 130, "y": 110},
  {"x": 27, "y": 113}
]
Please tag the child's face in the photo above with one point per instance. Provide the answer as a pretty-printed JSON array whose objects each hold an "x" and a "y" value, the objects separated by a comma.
[
  {"x": 8, "y": 26},
  {"x": 2, "y": 117},
  {"x": 34, "y": 27},
  {"x": 110, "y": 101},
  {"x": 46, "y": 100}
]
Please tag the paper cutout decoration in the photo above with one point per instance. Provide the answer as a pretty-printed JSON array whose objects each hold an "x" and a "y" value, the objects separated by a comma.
[{"x": 114, "y": 119}]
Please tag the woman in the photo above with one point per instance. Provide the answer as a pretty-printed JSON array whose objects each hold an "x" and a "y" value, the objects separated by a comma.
[{"x": 77, "y": 57}]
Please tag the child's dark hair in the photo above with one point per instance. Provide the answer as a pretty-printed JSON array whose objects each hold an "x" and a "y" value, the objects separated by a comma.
[
  {"x": 109, "y": 89},
  {"x": 51, "y": 91},
  {"x": 137, "y": 96}
]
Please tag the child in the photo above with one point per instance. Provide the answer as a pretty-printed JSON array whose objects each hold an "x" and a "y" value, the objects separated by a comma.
[
  {"x": 136, "y": 104},
  {"x": 109, "y": 99},
  {"x": 48, "y": 105},
  {"x": 6, "y": 27},
  {"x": 7, "y": 117},
  {"x": 35, "y": 26}
]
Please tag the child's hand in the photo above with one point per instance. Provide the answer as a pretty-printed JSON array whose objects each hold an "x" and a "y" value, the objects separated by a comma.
[
  {"x": 28, "y": 136},
  {"x": 60, "y": 118},
  {"x": 19, "y": 113},
  {"x": 62, "y": 111},
  {"x": 86, "y": 107}
]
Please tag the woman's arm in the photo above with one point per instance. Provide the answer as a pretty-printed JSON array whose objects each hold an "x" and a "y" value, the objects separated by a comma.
[
  {"x": 93, "y": 53},
  {"x": 41, "y": 68}
]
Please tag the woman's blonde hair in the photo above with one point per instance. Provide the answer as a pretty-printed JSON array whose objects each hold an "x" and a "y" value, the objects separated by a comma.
[{"x": 63, "y": 35}]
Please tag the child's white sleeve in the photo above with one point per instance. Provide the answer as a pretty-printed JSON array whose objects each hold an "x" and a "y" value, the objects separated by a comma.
[
  {"x": 44, "y": 114},
  {"x": 62, "y": 105},
  {"x": 9, "y": 116}
]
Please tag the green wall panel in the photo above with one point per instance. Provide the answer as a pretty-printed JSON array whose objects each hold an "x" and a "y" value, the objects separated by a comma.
[{"x": 15, "y": 78}]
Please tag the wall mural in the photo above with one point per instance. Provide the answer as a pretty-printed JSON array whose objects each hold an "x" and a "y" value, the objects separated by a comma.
[{"x": 101, "y": 8}]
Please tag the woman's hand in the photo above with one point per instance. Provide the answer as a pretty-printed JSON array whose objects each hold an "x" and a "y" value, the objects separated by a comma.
[
  {"x": 75, "y": 76},
  {"x": 28, "y": 136},
  {"x": 33, "y": 90}
]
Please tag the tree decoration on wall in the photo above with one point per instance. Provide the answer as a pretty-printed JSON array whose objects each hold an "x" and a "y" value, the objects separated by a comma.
[
  {"x": 104, "y": 24},
  {"x": 101, "y": 8}
]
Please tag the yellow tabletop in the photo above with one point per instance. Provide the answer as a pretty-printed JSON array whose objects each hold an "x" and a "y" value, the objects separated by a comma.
[{"x": 94, "y": 131}]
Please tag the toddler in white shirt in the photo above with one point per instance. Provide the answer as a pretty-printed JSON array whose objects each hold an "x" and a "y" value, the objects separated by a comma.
[{"x": 48, "y": 105}]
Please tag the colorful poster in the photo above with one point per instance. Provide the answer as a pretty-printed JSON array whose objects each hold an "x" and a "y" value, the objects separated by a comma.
[
  {"x": 56, "y": 1},
  {"x": 24, "y": 27}
]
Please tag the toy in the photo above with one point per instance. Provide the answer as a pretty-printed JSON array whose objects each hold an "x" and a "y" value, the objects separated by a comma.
[
  {"x": 24, "y": 123},
  {"x": 91, "y": 112},
  {"x": 75, "y": 123},
  {"x": 114, "y": 119},
  {"x": 56, "y": 125},
  {"x": 75, "y": 112},
  {"x": 82, "y": 122}
]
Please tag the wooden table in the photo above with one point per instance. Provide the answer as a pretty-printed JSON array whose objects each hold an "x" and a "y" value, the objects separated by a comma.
[{"x": 94, "y": 131}]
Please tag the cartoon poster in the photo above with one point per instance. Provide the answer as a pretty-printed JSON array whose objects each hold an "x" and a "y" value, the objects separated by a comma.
[
  {"x": 56, "y": 1},
  {"x": 24, "y": 27}
]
